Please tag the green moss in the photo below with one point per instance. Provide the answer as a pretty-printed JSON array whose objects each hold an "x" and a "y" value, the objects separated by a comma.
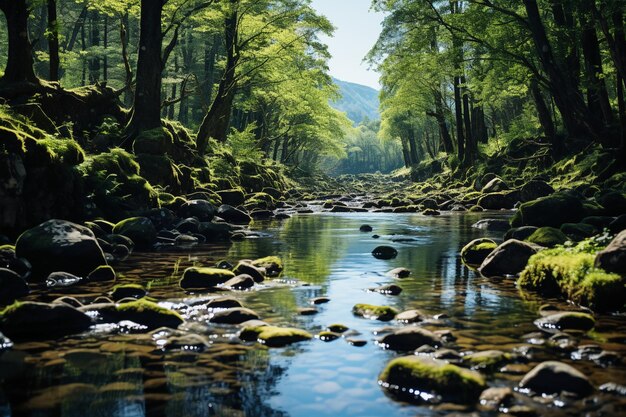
[
  {"x": 550, "y": 211},
  {"x": 273, "y": 336},
  {"x": 149, "y": 313},
  {"x": 10, "y": 309},
  {"x": 66, "y": 151},
  {"x": 548, "y": 237},
  {"x": 200, "y": 277},
  {"x": 7, "y": 248},
  {"x": 431, "y": 376},
  {"x": 489, "y": 359},
  {"x": 571, "y": 274},
  {"x": 475, "y": 252},
  {"x": 273, "y": 265},
  {"x": 368, "y": 311}
]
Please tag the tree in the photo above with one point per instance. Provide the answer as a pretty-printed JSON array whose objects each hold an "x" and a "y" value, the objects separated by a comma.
[{"x": 19, "y": 66}]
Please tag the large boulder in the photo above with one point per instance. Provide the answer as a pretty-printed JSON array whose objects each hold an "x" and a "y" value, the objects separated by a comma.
[
  {"x": 567, "y": 320},
  {"x": 203, "y": 278},
  {"x": 59, "y": 245},
  {"x": 30, "y": 320},
  {"x": 138, "y": 229},
  {"x": 555, "y": 377},
  {"x": 510, "y": 258},
  {"x": 233, "y": 215},
  {"x": 547, "y": 237},
  {"x": 535, "y": 189},
  {"x": 12, "y": 286},
  {"x": 613, "y": 257},
  {"x": 498, "y": 201},
  {"x": 203, "y": 210},
  {"x": 148, "y": 314},
  {"x": 614, "y": 203},
  {"x": 418, "y": 379},
  {"x": 494, "y": 186},
  {"x": 233, "y": 197},
  {"x": 550, "y": 211}
]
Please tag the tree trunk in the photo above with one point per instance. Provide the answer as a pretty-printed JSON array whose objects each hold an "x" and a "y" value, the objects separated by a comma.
[
  {"x": 146, "y": 112},
  {"x": 94, "y": 40},
  {"x": 217, "y": 120},
  {"x": 412, "y": 147},
  {"x": 105, "y": 45},
  {"x": 20, "y": 59},
  {"x": 446, "y": 140},
  {"x": 471, "y": 148},
  {"x": 53, "y": 40},
  {"x": 458, "y": 112},
  {"x": 622, "y": 120},
  {"x": 77, "y": 27},
  {"x": 545, "y": 119},
  {"x": 406, "y": 153},
  {"x": 566, "y": 95}
]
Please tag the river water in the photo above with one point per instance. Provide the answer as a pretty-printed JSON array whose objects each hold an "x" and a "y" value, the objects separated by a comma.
[{"x": 115, "y": 372}]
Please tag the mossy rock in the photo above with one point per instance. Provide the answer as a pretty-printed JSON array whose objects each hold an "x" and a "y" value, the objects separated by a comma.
[
  {"x": 373, "y": 312},
  {"x": 233, "y": 197},
  {"x": 489, "y": 360},
  {"x": 157, "y": 141},
  {"x": 614, "y": 203},
  {"x": 67, "y": 151},
  {"x": 102, "y": 273},
  {"x": 273, "y": 336},
  {"x": 32, "y": 321},
  {"x": 273, "y": 265},
  {"x": 139, "y": 229},
  {"x": 410, "y": 377},
  {"x": 474, "y": 253},
  {"x": 547, "y": 237},
  {"x": 498, "y": 201},
  {"x": 203, "y": 278},
  {"x": 550, "y": 211},
  {"x": 571, "y": 274},
  {"x": 578, "y": 231},
  {"x": 160, "y": 170},
  {"x": 149, "y": 314},
  {"x": 128, "y": 291}
]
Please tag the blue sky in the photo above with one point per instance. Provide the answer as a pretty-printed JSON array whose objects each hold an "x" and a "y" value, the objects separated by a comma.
[{"x": 357, "y": 30}]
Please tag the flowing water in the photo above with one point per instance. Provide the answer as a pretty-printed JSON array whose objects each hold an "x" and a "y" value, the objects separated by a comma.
[{"x": 119, "y": 372}]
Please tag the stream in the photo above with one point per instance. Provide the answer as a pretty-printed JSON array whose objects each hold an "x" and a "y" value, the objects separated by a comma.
[{"x": 122, "y": 372}]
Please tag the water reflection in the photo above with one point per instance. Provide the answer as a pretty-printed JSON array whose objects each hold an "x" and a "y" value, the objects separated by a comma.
[{"x": 324, "y": 255}]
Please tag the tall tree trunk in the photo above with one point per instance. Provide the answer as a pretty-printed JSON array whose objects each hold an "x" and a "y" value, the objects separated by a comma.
[
  {"x": 598, "y": 96},
  {"x": 458, "y": 113},
  {"x": 76, "y": 30},
  {"x": 413, "y": 146},
  {"x": 566, "y": 95},
  {"x": 217, "y": 120},
  {"x": 622, "y": 120},
  {"x": 406, "y": 153},
  {"x": 105, "y": 45},
  {"x": 53, "y": 40},
  {"x": 545, "y": 119},
  {"x": 128, "y": 71},
  {"x": 94, "y": 40},
  {"x": 146, "y": 112},
  {"x": 20, "y": 59},
  {"x": 471, "y": 147},
  {"x": 439, "y": 115}
]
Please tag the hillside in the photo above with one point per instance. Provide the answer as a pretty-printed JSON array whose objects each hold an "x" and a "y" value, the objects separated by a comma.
[{"x": 358, "y": 101}]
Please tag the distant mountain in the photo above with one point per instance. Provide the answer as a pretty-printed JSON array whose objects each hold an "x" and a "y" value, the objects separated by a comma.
[{"x": 358, "y": 101}]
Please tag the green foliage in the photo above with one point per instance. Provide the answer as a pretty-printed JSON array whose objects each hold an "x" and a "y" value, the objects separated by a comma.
[{"x": 244, "y": 144}]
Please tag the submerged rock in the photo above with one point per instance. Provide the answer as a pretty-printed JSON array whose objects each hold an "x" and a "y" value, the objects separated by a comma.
[
  {"x": 390, "y": 289},
  {"x": 32, "y": 320},
  {"x": 384, "y": 252},
  {"x": 487, "y": 360},
  {"x": 410, "y": 316},
  {"x": 409, "y": 338},
  {"x": 366, "y": 228},
  {"x": 399, "y": 273},
  {"x": 421, "y": 379},
  {"x": 223, "y": 302},
  {"x": 120, "y": 292},
  {"x": 555, "y": 377},
  {"x": 509, "y": 258},
  {"x": 368, "y": 311},
  {"x": 148, "y": 314},
  {"x": 59, "y": 245},
  {"x": 273, "y": 336}
]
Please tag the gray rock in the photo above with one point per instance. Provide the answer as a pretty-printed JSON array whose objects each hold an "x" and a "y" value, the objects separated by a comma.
[
  {"x": 555, "y": 377},
  {"x": 203, "y": 210},
  {"x": 62, "y": 280},
  {"x": 494, "y": 186},
  {"x": 32, "y": 321},
  {"x": 59, "y": 245},
  {"x": 240, "y": 282},
  {"x": 567, "y": 320},
  {"x": 613, "y": 257},
  {"x": 138, "y": 229},
  {"x": 509, "y": 258},
  {"x": 492, "y": 225},
  {"x": 399, "y": 273},
  {"x": 410, "y": 316},
  {"x": 233, "y": 215},
  {"x": 246, "y": 268},
  {"x": 235, "y": 315}
]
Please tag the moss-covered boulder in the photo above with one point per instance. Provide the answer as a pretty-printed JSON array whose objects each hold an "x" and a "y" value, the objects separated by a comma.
[
  {"x": 203, "y": 210},
  {"x": 373, "y": 312},
  {"x": 102, "y": 273},
  {"x": 138, "y": 229},
  {"x": 160, "y": 170},
  {"x": 247, "y": 268},
  {"x": 59, "y": 245},
  {"x": 613, "y": 202},
  {"x": 409, "y": 338},
  {"x": 572, "y": 274},
  {"x": 474, "y": 253},
  {"x": 149, "y": 314},
  {"x": 203, "y": 278},
  {"x": 579, "y": 231},
  {"x": 509, "y": 258},
  {"x": 31, "y": 321},
  {"x": 416, "y": 379},
  {"x": 122, "y": 291},
  {"x": 547, "y": 237},
  {"x": 520, "y": 233},
  {"x": 273, "y": 336},
  {"x": 273, "y": 265},
  {"x": 550, "y": 211},
  {"x": 12, "y": 286},
  {"x": 235, "y": 315},
  {"x": 234, "y": 196},
  {"x": 157, "y": 141},
  {"x": 554, "y": 378},
  {"x": 233, "y": 215},
  {"x": 535, "y": 189}
]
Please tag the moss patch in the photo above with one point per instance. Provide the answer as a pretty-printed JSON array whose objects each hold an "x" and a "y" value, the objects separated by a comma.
[
  {"x": 197, "y": 278},
  {"x": 415, "y": 378},
  {"x": 547, "y": 237},
  {"x": 273, "y": 336},
  {"x": 273, "y": 265},
  {"x": 149, "y": 314},
  {"x": 475, "y": 252},
  {"x": 570, "y": 272}
]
